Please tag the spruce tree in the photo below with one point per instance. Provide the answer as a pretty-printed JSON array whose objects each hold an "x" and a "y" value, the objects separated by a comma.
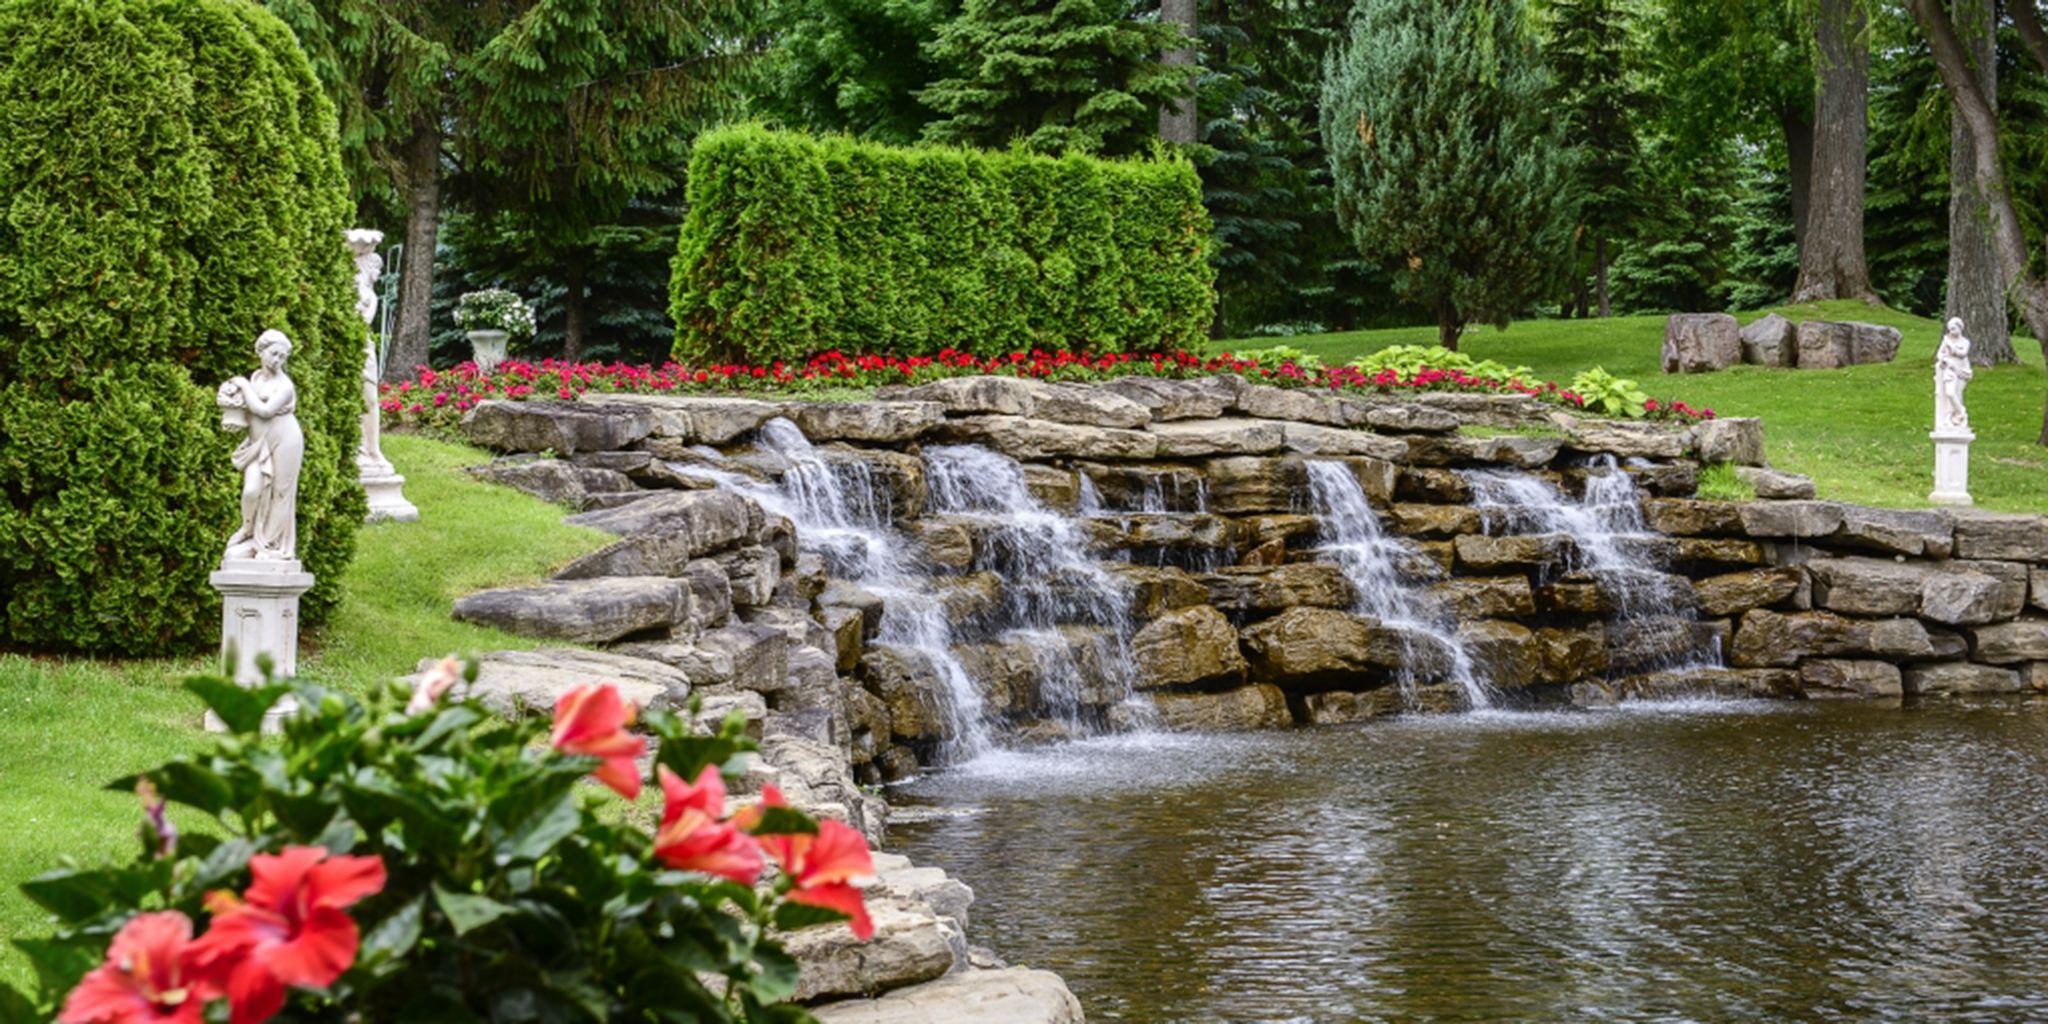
[
  {"x": 1058, "y": 75},
  {"x": 1589, "y": 53},
  {"x": 1450, "y": 170}
]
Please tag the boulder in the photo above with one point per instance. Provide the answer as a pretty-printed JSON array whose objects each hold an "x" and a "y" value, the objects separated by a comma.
[
  {"x": 1567, "y": 655},
  {"x": 1314, "y": 439},
  {"x": 2006, "y": 643},
  {"x": 964, "y": 396},
  {"x": 1088, "y": 405},
  {"x": 2005, "y": 537},
  {"x": 1230, "y": 436},
  {"x": 1823, "y": 345},
  {"x": 1014, "y": 995},
  {"x": 758, "y": 654},
  {"x": 1701, "y": 342},
  {"x": 1736, "y": 439},
  {"x": 1806, "y": 520},
  {"x": 1265, "y": 401},
  {"x": 1771, "y": 341},
  {"x": 1776, "y": 485},
  {"x": 1259, "y": 706},
  {"x": 1492, "y": 410},
  {"x": 689, "y": 419},
  {"x": 1692, "y": 517},
  {"x": 1627, "y": 438},
  {"x": 1317, "y": 646},
  {"x": 872, "y": 422},
  {"x": 516, "y": 683},
  {"x": 1503, "y": 653},
  {"x": 1458, "y": 450},
  {"x": 1439, "y": 486},
  {"x": 1896, "y": 531},
  {"x": 556, "y": 481},
  {"x": 1490, "y": 598},
  {"x": 1155, "y": 590},
  {"x": 703, "y": 520},
  {"x": 1974, "y": 593},
  {"x": 917, "y": 699},
  {"x": 944, "y": 543},
  {"x": 1155, "y": 487},
  {"x": 1824, "y": 678},
  {"x": 561, "y": 427},
  {"x": 1773, "y": 639},
  {"x": 1719, "y": 552},
  {"x": 580, "y": 611},
  {"x": 1408, "y": 418},
  {"x": 849, "y": 634},
  {"x": 1680, "y": 479},
  {"x": 1172, "y": 399},
  {"x": 1483, "y": 553},
  {"x": 753, "y": 572},
  {"x": 1055, "y": 488},
  {"x": 1737, "y": 592},
  {"x": 909, "y": 945},
  {"x": 897, "y": 478},
  {"x": 1959, "y": 677},
  {"x": 1715, "y": 683},
  {"x": 843, "y": 594},
  {"x": 1191, "y": 647},
  {"x": 1867, "y": 586},
  {"x": 1337, "y": 707},
  {"x": 1417, "y": 520},
  {"x": 710, "y": 593},
  {"x": 2038, "y": 590},
  {"x": 1033, "y": 440},
  {"x": 1260, "y": 589},
  {"x": 1873, "y": 343}
]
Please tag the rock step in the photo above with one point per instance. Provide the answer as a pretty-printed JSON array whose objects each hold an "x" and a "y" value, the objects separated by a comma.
[{"x": 1014, "y": 995}]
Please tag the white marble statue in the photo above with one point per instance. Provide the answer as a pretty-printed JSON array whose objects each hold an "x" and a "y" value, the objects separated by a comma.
[
  {"x": 265, "y": 405},
  {"x": 1952, "y": 372},
  {"x": 363, "y": 243}
]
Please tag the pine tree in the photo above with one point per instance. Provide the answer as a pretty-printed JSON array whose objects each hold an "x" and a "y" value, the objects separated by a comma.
[
  {"x": 1057, "y": 75},
  {"x": 1589, "y": 53},
  {"x": 1450, "y": 171},
  {"x": 854, "y": 66}
]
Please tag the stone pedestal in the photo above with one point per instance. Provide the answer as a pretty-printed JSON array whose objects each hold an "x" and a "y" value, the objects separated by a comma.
[
  {"x": 384, "y": 487},
  {"x": 1951, "y": 466},
  {"x": 260, "y": 617}
]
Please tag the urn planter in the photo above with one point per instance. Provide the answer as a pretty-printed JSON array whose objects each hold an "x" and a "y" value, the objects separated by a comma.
[{"x": 488, "y": 349}]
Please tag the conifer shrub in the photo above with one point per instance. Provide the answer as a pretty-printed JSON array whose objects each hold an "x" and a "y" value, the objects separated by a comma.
[
  {"x": 170, "y": 186},
  {"x": 797, "y": 245}
]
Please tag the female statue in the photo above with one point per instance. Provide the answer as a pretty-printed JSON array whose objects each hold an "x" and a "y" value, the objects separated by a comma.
[
  {"x": 264, "y": 403},
  {"x": 1952, "y": 373}
]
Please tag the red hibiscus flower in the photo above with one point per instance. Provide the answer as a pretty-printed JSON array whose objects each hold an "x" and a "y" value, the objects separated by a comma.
[
  {"x": 146, "y": 979},
  {"x": 820, "y": 868},
  {"x": 287, "y": 930},
  {"x": 693, "y": 838},
  {"x": 590, "y": 721}
]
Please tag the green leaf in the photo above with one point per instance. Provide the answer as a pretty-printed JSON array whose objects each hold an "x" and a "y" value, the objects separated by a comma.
[
  {"x": 785, "y": 821},
  {"x": 222, "y": 862},
  {"x": 241, "y": 710},
  {"x": 466, "y": 911},
  {"x": 791, "y": 916},
  {"x": 76, "y": 895},
  {"x": 775, "y": 972},
  {"x": 59, "y": 963},
  {"x": 395, "y": 935},
  {"x": 548, "y": 825},
  {"x": 15, "y": 1008}
]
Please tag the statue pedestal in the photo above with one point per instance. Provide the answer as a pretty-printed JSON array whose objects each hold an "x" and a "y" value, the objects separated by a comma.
[
  {"x": 385, "y": 489},
  {"x": 259, "y": 616},
  {"x": 1951, "y": 466}
]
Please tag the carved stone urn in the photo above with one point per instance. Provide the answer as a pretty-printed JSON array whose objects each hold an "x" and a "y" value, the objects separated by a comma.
[{"x": 488, "y": 349}]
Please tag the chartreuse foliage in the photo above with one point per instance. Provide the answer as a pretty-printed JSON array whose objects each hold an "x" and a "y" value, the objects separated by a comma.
[
  {"x": 511, "y": 892},
  {"x": 797, "y": 245},
  {"x": 170, "y": 186}
]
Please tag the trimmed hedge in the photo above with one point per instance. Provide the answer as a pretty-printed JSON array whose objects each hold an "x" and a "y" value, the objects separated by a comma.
[
  {"x": 170, "y": 186},
  {"x": 796, "y": 245}
]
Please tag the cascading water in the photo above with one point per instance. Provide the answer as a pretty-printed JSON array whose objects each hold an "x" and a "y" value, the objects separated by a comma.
[
  {"x": 1350, "y": 536},
  {"x": 1062, "y": 605},
  {"x": 1654, "y": 613}
]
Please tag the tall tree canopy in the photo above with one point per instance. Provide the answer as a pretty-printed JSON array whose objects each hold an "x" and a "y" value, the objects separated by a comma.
[{"x": 1450, "y": 170}]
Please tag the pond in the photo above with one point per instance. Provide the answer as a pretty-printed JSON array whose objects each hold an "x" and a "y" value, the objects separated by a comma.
[{"x": 1692, "y": 861}]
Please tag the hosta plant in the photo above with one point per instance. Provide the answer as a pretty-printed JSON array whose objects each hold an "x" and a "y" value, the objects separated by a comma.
[
  {"x": 1605, "y": 393},
  {"x": 396, "y": 859}
]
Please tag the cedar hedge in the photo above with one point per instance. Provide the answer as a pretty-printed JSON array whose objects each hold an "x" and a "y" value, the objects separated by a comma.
[
  {"x": 170, "y": 186},
  {"x": 796, "y": 245}
]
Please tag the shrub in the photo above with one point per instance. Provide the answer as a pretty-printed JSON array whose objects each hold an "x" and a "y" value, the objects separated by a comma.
[
  {"x": 401, "y": 860},
  {"x": 170, "y": 186},
  {"x": 1409, "y": 360},
  {"x": 797, "y": 245},
  {"x": 495, "y": 309}
]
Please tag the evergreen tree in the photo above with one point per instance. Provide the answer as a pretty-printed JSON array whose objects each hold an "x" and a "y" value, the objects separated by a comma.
[
  {"x": 1675, "y": 260},
  {"x": 1450, "y": 171},
  {"x": 1589, "y": 53},
  {"x": 854, "y": 66},
  {"x": 1766, "y": 251},
  {"x": 1057, "y": 75}
]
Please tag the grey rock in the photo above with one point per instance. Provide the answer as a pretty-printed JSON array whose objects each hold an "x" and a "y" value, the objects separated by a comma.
[
  {"x": 962, "y": 396},
  {"x": 1867, "y": 586},
  {"x": 1776, "y": 485},
  {"x": 1824, "y": 678},
  {"x": 1190, "y": 647},
  {"x": 753, "y": 572},
  {"x": 1260, "y": 589},
  {"x": 1088, "y": 405},
  {"x": 1691, "y": 517},
  {"x": 531, "y": 682},
  {"x": 909, "y": 688},
  {"x": 1405, "y": 418},
  {"x": 1490, "y": 598},
  {"x": 1195, "y": 438},
  {"x": 1772, "y": 639},
  {"x": 564, "y": 427},
  {"x": 897, "y": 478},
  {"x": 874, "y": 422},
  {"x": 1247, "y": 708},
  {"x": 1701, "y": 342},
  {"x": 1264, "y": 401},
  {"x": 1738, "y": 592},
  {"x": 2006, "y": 643},
  {"x": 1486, "y": 553},
  {"x": 2039, "y": 588},
  {"x": 1823, "y": 345},
  {"x": 758, "y": 654},
  {"x": 702, "y": 420},
  {"x": 1896, "y": 531},
  {"x": 854, "y": 597},
  {"x": 1055, "y": 488},
  {"x": 1172, "y": 399},
  {"x": 1338, "y": 707},
  {"x": 1960, "y": 677},
  {"x": 1014, "y": 995},
  {"x": 1148, "y": 487},
  {"x": 1806, "y": 520},
  {"x": 1974, "y": 593},
  {"x": 1033, "y": 440},
  {"x": 1770, "y": 341},
  {"x": 580, "y": 611},
  {"x": 908, "y": 946},
  {"x": 849, "y": 635},
  {"x": 702, "y": 520},
  {"x": 1628, "y": 438},
  {"x": 2015, "y": 538},
  {"x": 1312, "y": 439},
  {"x": 553, "y": 480},
  {"x": 1736, "y": 439}
]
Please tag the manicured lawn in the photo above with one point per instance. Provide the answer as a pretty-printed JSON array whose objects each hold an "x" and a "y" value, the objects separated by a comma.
[
  {"x": 67, "y": 727},
  {"x": 1860, "y": 432}
]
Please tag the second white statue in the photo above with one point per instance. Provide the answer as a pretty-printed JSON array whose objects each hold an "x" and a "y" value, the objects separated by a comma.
[{"x": 265, "y": 405}]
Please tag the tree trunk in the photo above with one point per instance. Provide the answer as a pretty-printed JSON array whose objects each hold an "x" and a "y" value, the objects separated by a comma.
[
  {"x": 572, "y": 306},
  {"x": 410, "y": 344},
  {"x": 1448, "y": 326},
  {"x": 1975, "y": 110},
  {"x": 1600, "y": 276},
  {"x": 1798, "y": 125},
  {"x": 1177, "y": 118},
  {"x": 1976, "y": 285},
  {"x": 1831, "y": 264}
]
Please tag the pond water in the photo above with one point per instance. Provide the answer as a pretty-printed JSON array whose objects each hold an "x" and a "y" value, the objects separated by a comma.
[{"x": 1689, "y": 862}]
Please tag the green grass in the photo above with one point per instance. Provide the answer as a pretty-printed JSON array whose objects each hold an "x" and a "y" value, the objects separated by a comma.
[
  {"x": 68, "y": 726},
  {"x": 1860, "y": 432}
]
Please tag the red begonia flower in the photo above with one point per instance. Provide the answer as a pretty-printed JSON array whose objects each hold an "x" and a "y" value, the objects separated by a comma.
[
  {"x": 590, "y": 721},
  {"x": 146, "y": 979},
  {"x": 287, "y": 930},
  {"x": 691, "y": 836}
]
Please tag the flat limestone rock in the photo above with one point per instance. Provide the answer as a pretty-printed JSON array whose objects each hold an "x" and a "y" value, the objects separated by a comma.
[
  {"x": 1265, "y": 401},
  {"x": 530, "y": 682},
  {"x": 873, "y": 422},
  {"x": 704, "y": 520},
  {"x": 1088, "y": 405},
  {"x": 1776, "y": 485},
  {"x": 1030, "y": 439},
  {"x": 1960, "y": 677},
  {"x": 1245, "y": 709},
  {"x": 581, "y": 611},
  {"x": 1736, "y": 439},
  {"x": 2009, "y": 537},
  {"x": 1172, "y": 399},
  {"x": 1793, "y": 519},
  {"x": 1312, "y": 439},
  {"x": 2006, "y": 643},
  {"x": 1013, "y": 995},
  {"x": 1831, "y": 678},
  {"x": 1191, "y": 646},
  {"x": 909, "y": 945},
  {"x": 1898, "y": 531},
  {"x": 1230, "y": 436},
  {"x": 564, "y": 427},
  {"x": 1627, "y": 438},
  {"x": 555, "y": 481},
  {"x": 1406, "y": 418},
  {"x": 694, "y": 419}
]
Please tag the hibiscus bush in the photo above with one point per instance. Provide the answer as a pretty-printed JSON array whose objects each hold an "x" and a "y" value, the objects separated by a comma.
[{"x": 395, "y": 859}]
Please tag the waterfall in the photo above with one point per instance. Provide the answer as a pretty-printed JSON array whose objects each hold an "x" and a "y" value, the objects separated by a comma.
[
  {"x": 1654, "y": 624},
  {"x": 1050, "y": 584},
  {"x": 1349, "y": 535}
]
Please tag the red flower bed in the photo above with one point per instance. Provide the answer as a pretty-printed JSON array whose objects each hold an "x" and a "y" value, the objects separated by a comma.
[{"x": 440, "y": 397}]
